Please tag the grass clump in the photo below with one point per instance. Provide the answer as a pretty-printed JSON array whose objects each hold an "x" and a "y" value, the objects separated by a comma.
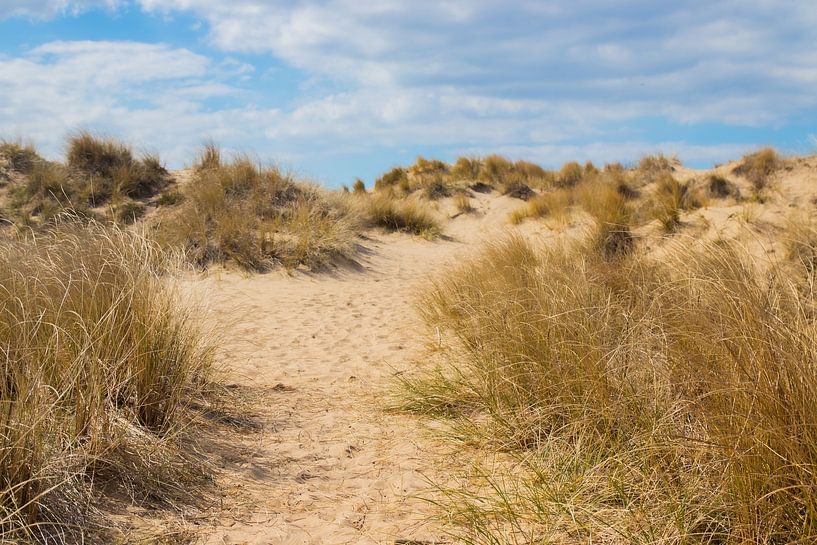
[
  {"x": 801, "y": 244},
  {"x": 437, "y": 189},
  {"x": 18, "y": 155},
  {"x": 359, "y": 186},
  {"x": 129, "y": 212},
  {"x": 650, "y": 165},
  {"x": 671, "y": 197},
  {"x": 256, "y": 217},
  {"x": 613, "y": 218},
  {"x": 47, "y": 191},
  {"x": 516, "y": 187},
  {"x": 209, "y": 157},
  {"x": 570, "y": 174},
  {"x": 99, "y": 172},
  {"x": 105, "y": 167},
  {"x": 644, "y": 401},
  {"x": 494, "y": 169},
  {"x": 423, "y": 167},
  {"x": 466, "y": 168},
  {"x": 462, "y": 203},
  {"x": 408, "y": 215},
  {"x": 171, "y": 197},
  {"x": 438, "y": 179},
  {"x": 554, "y": 204},
  {"x": 100, "y": 356},
  {"x": 395, "y": 177},
  {"x": 719, "y": 187},
  {"x": 758, "y": 167}
]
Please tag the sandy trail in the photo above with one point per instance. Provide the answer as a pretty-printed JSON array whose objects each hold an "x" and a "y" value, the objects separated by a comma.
[{"x": 331, "y": 466}]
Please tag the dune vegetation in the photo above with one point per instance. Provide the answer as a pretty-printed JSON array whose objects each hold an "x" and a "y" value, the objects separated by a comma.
[
  {"x": 100, "y": 179},
  {"x": 101, "y": 356},
  {"x": 437, "y": 179},
  {"x": 254, "y": 216},
  {"x": 637, "y": 376},
  {"x": 629, "y": 396}
]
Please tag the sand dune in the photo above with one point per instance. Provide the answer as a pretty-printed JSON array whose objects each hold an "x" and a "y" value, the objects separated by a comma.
[
  {"x": 331, "y": 466},
  {"x": 316, "y": 354}
]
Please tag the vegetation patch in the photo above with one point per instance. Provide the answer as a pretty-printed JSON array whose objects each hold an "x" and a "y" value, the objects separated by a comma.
[
  {"x": 643, "y": 401},
  {"x": 104, "y": 167},
  {"x": 401, "y": 215},
  {"x": 101, "y": 179},
  {"x": 100, "y": 357},
  {"x": 758, "y": 167},
  {"x": 255, "y": 217},
  {"x": 719, "y": 187}
]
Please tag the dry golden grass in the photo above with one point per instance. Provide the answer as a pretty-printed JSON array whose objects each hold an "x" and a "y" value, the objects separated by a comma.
[
  {"x": 408, "y": 215},
  {"x": 494, "y": 168},
  {"x": 209, "y": 157},
  {"x": 437, "y": 189},
  {"x": 105, "y": 167},
  {"x": 392, "y": 178},
  {"x": 99, "y": 172},
  {"x": 439, "y": 179},
  {"x": 570, "y": 174},
  {"x": 466, "y": 168},
  {"x": 100, "y": 356},
  {"x": 671, "y": 197},
  {"x": 758, "y": 167},
  {"x": 654, "y": 164},
  {"x": 462, "y": 202},
  {"x": 428, "y": 167},
  {"x": 640, "y": 401},
  {"x": 719, "y": 187},
  {"x": 553, "y": 204},
  {"x": 515, "y": 185},
  {"x": 18, "y": 156},
  {"x": 613, "y": 217},
  {"x": 256, "y": 217},
  {"x": 801, "y": 244}
]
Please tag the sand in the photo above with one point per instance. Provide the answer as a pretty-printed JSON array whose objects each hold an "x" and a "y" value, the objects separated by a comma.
[
  {"x": 331, "y": 466},
  {"x": 321, "y": 351}
]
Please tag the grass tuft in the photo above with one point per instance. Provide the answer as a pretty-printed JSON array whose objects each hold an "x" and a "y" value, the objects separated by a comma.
[
  {"x": 463, "y": 204},
  {"x": 18, "y": 156},
  {"x": 406, "y": 215},
  {"x": 466, "y": 168},
  {"x": 554, "y": 203},
  {"x": 255, "y": 217},
  {"x": 719, "y": 187},
  {"x": 613, "y": 215},
  {"x": 209, "y": 157},
  {"x": 570, "y": 174},
  {"x": 100, "y": 356},
  {"x": 103, "y": 168},
  {"x": 640, "y": 401},
  {"x": 758, "y": 167}
]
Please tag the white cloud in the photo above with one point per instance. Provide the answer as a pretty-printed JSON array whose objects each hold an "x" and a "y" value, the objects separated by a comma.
[
  {"x": 43, "y": 9},
  {"x": 548, "y": 79},
  {"x": 149, "y": 92},
  {"x": 748, "y": 61}
]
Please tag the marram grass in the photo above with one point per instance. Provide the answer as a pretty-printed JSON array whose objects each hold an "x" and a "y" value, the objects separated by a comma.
[{"x": 635, "y": 400}]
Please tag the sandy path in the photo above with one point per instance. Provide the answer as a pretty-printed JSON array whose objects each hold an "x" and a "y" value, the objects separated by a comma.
[{"x": 331, "y": 466}]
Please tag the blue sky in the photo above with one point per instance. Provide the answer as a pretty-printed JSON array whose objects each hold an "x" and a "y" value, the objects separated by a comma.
[{"x": 334, "y": 89}]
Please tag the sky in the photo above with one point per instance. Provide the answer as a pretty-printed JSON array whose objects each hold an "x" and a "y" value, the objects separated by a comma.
[{"x": 337, "y": 89}]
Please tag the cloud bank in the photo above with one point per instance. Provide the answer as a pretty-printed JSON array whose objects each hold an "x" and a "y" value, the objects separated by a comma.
[{"x": 544, "y": 80}]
